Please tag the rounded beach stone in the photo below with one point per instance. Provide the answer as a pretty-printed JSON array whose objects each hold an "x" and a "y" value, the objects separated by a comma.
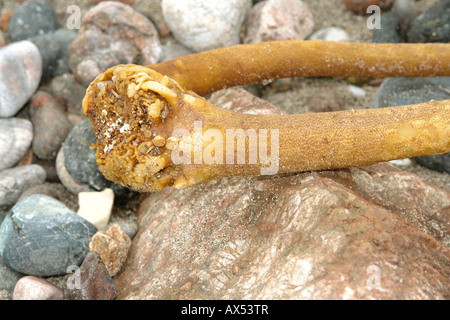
[
  {"x": 96, "y": 207},
  {"x": 79, "y": 158},
  {"x": 275, "y": 20},
  {"x": 432, "y": 25},
  {"x": 112, "y": 33},
  {"x": 14, "y": 181},
  {"x": 32, "y": 18},
  {"x": 330, "y": 34},
  {"x": 21, "y": 70},
  {"x": 15, "y": 139},
  {"x": 42, "y": 237},
  {"x": 112, "y": 246},
  {"x": 34, "y": 288},
  {"x": 402, "y": 91},
  {"x": 48, "y": 139},
  {"x": 203, "y": 25}
]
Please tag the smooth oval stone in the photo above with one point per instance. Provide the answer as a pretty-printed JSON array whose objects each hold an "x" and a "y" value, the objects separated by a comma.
[
  {"x": 433, "y": 25},
  {"x": 330, "y": 34},
  {"x": 203, "y": 25},
  {"x": 48, "y": 139},
  {"x": 43, "y": 237},
  {"x": 112, "y": 33},
  {"x": 401, "y": 91},
  {"x": 14, "y": 181},
  {"x": 15, "y": 140},
  {"x": 21, "y": 70},
  {"x": 79, "y": 158},
  {"x": 31, "y": 19}
]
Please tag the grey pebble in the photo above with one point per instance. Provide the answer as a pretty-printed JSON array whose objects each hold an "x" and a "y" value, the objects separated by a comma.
[
  {"x": 32, "y": 18},
  {"x": 16, "y": 180},
  {"x": 433, "y": 25},
  {"x": 21, "y": 70},
  {"x": 15, "y": 140},
  {"x": 42, "y": 237}
]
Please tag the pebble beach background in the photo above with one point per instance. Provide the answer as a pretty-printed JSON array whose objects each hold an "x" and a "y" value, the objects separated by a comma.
[{"x": 48, "y": 177}]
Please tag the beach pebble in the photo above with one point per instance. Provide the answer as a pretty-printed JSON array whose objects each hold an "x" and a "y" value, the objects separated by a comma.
[
  {"x": 129, "y": 226},
  {"x": 80, "y": 160},
  {"x": 63, "y": 38},
  {"x": 274, "y": 20},
  {"x": 439, "y": 162},
  {"x": 48, "y": 139},
  {"x": 42, "y": 237},
  {"x": 95, "y": 283},
  {"x": 112, "y": 33},
  {"x": 433, "y": 25},
  {"x": 15, "y": 140},
  {"x": 8, "y": 277},
  {"x": 403, "y": 91},
  {"x": 34, "y": 288},
  {"x": 49, "y": 50},
  {"x": 21, "y": 66},
  {"x": 32, "y": 18},
  {"x": 330, "y": 34},
  {"x": 112, "y": 246},
  {"x": 66, "y": 178},
  {"x": 360, "y": 6},
  {"x": 54, "y": 49},
  {"x": 96, "y": 207},
  {"x": 203, "y": 25},
  {"x": 389, "y": 31},
  {"x": 356, "y": 91},
  {"x": 16, "y": 180}
]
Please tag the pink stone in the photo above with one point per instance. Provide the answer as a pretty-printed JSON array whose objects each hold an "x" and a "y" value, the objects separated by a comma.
[
  {"x": 279, "y": 20},
  {"x": 34, "y": 288}
]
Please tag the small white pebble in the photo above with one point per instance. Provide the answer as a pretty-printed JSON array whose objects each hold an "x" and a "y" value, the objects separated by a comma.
[
  {"x": 357, "y": 91},
  {"x": 96, "y": 207}
]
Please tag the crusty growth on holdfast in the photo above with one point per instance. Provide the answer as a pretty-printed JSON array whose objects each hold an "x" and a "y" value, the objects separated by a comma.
[{"x": 142, "y": 118}]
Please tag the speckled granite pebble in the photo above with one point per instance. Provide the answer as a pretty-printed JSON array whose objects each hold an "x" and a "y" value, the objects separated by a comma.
[
  {"x": 16, "y": 180},
  {"x": 21, "y": 70},
  {"x": 15, "y": 140}
]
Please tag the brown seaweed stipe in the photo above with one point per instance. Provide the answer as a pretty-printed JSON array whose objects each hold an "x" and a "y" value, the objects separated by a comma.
[{"x": 135, "y": 112}]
